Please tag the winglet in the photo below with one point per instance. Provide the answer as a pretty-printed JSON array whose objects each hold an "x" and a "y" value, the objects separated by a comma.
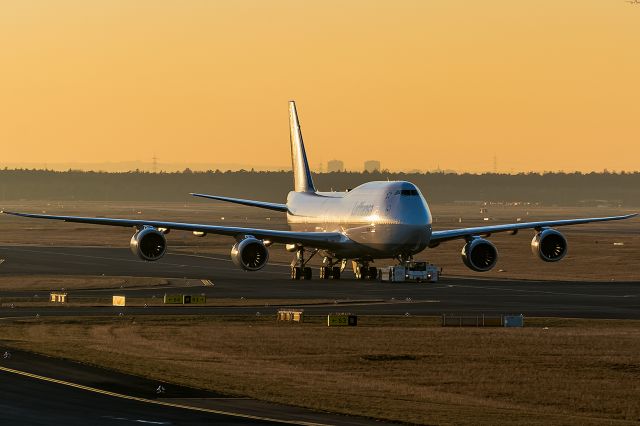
[{"x": 301, "y": 173}]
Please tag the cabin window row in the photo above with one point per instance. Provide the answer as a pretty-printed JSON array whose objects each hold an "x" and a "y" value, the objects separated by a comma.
[{"x": 407, "y": 192}]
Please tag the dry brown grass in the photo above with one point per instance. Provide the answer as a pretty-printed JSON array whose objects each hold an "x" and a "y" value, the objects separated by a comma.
[
  {"x": 408, "y": 369},
  {"x": 75, "y": 282},
  {"x": 592, "y": 255}
]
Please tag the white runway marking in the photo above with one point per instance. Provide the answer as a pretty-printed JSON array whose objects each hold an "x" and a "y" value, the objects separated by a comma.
[
  {"x": 157, "y": 402},
  {"x": 150, "y": 422}
]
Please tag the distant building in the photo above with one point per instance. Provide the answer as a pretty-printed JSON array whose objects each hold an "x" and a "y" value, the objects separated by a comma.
[
  {"x": 335, "y": 166},
  {"x": 372, "y": 166}
]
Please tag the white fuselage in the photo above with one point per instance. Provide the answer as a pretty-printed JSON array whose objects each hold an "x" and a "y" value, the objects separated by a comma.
[{"x": 382, "y": 219}]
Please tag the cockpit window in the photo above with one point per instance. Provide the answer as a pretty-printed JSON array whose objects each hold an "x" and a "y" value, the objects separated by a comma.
[{"x": 408, "y": 192}]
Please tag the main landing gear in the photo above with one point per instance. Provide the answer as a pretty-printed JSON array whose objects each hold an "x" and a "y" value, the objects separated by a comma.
[
  {"x": 363, "y": 271},
  {"x": 299, "y": 268},
  {"x": 330, "y": 269}
]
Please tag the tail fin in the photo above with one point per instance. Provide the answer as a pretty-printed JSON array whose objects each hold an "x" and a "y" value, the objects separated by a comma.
[{"x": 301, "y": 173}]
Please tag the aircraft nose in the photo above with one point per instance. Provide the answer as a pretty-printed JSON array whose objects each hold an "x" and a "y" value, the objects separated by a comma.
[{"x": 416, "y": 214}]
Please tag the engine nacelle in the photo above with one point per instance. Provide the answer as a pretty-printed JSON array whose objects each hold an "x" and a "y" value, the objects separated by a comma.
[
  {"x": 250, "y": 254},
  {"x": 148, "y": 244},
  {"x": 479, "y": 255},
  {"x": 550, "y": 245}
]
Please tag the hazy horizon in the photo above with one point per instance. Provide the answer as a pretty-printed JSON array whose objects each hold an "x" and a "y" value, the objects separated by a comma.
[{"x": 133, "y": 166}]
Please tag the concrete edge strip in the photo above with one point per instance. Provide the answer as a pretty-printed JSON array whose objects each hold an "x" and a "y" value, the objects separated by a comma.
[{"x": 156, "y": 402}]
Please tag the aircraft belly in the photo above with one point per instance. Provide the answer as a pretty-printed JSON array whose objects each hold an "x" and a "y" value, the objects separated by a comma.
[{"x": 375, "y": 241}]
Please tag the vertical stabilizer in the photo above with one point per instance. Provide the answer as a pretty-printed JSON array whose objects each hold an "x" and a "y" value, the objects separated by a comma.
[{"x": 301, "y": 173}]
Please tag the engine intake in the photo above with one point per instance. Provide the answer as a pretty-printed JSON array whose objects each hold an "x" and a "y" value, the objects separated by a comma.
[
  {"x": 550, "y": 245},
  {"x": 250, "y": 254},
  {"x": 479, "y": 255},
  {"x": 148, "y": 244}
]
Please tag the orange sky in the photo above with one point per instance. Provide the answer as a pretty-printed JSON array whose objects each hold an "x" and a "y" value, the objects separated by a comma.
[{"x": 545, "y": 85}]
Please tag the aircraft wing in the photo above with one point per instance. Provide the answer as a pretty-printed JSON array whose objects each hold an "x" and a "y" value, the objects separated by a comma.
[
  {"x": 312, "y": 239},
  {"x": 261, "y": 204},
  {"x": 441, "y": 236}
]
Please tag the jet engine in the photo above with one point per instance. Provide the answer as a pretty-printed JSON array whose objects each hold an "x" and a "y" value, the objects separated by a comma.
[
  {"x": 148, "y": 244},
  {"x": 550, "y": 245},
  {"x": 479, "y": 255},
  {"x": 250, "y": 254}
]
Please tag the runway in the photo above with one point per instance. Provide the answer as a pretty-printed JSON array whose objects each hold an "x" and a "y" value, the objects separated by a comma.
[
  {"x": 39, "y": 390},
  {"x": 450, "y": 295}
]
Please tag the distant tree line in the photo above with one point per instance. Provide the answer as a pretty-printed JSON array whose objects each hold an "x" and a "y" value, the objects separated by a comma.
[{"x": 546, "y": 188}]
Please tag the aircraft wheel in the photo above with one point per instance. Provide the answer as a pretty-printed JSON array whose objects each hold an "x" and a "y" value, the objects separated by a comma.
[
  {"x": 363, "y": 272},
  {"x": 372, "y": 273},
  {"x": 335, "y": 273},
  {"x": 306, "y": 273},
  {"x": 325, "y": 272},
  {"x": 296, "y": 272}
]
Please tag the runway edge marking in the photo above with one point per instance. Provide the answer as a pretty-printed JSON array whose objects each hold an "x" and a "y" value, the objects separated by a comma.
[{"x": 156, "y": 402}]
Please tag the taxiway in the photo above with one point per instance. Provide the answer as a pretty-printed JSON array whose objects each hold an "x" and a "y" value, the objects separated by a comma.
[{"x": 450, "y": 295}]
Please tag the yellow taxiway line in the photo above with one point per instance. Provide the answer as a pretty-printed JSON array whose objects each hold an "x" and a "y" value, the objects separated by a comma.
[{"x": 152, "y": 401}]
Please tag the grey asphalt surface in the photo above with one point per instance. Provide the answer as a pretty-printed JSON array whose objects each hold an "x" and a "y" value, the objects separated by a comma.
[
  {"x": 450, "y": 295},
  {"x": 30, "y": 401}
]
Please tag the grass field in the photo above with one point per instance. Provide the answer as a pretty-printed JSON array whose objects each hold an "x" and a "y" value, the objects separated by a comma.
[
  {"x": 554, "y": 371},
  {"x": 71, "y": 282}
]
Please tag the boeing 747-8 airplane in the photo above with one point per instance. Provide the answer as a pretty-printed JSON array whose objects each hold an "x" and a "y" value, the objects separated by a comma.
[{"x": 376, "y": 220}]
